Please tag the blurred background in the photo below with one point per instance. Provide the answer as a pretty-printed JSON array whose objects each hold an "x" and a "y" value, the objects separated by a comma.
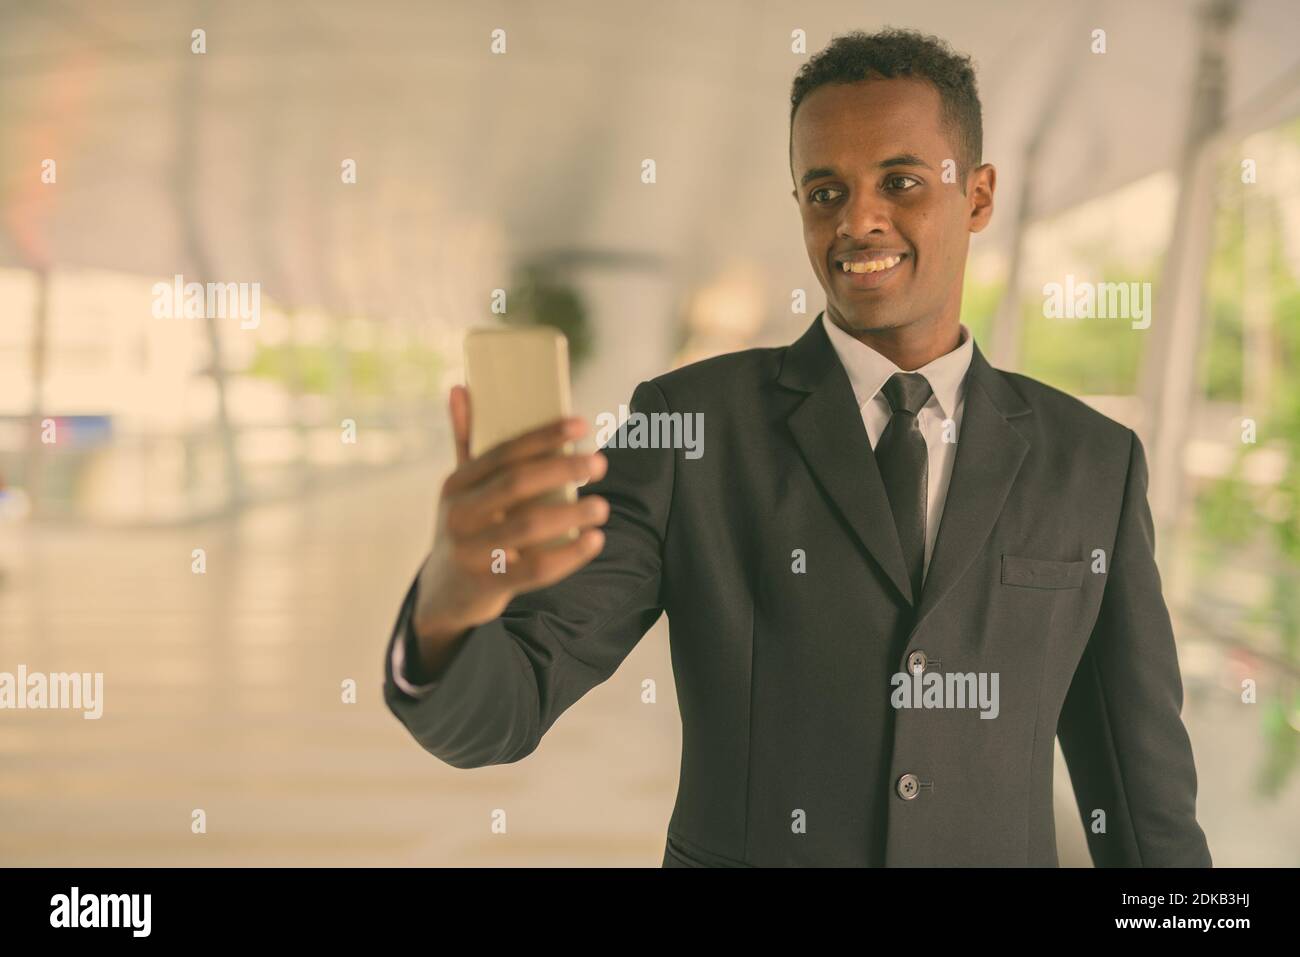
[{"x": 383, "y": 172}]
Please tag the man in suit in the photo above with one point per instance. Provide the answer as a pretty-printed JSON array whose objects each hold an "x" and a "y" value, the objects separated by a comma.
[{"x": 895, "y": 576}]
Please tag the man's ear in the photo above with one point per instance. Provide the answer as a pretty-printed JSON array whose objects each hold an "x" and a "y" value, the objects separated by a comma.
[{"x": 983, "y": 180}]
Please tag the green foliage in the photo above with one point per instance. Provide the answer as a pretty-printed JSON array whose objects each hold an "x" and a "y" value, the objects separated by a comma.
[
  {"x": 539, "y": 298},
  {"x": 979, "y": 304},
  {"x": 1222, "y": 366},
  {"x": 326, "y": 370},
  {"x": 1085, "y": 356},
  {"x": 313, "y": 366},
  {"x": 1235, "y": 519},
  {"x": 1283, "y": 743}
]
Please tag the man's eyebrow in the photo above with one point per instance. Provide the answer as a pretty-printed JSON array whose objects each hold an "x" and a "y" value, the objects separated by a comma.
[
  {"x": 905, "y": 159},
  {"x": 816, "y": 173},
  {"x": 902, "y": 159}
]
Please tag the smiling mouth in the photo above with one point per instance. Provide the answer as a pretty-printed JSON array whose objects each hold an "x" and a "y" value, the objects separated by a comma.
[{"x": 871, "y": 265}]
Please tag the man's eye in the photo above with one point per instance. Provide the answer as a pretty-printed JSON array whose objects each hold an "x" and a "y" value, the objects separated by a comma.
[
  {"x": 823, "y": 189},
  {"x": 893, "y": 182}
]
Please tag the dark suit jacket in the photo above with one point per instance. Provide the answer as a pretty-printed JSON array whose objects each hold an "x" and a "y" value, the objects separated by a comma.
[{"x": 792, "y": 753}]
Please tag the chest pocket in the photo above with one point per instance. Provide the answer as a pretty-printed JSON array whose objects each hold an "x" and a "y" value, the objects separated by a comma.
[{"x": 1041, "y": 573}]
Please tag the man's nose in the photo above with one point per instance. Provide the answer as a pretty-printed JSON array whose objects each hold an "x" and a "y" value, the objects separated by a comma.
[{"x": 865, "y": 213}]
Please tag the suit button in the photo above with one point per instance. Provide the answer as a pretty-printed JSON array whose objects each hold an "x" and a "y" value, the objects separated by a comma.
[
  {"x": 908, "y": 786},
  {"x": 916, "y": 662}
]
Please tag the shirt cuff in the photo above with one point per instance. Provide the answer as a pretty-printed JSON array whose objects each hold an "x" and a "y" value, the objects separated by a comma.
[{"x": 405, "y": 635}]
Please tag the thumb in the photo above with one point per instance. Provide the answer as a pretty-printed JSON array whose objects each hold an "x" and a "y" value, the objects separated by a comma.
[{"x": 460, "y": 422}]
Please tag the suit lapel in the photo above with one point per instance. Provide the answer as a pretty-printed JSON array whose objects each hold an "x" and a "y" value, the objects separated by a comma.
[
  {"x": 989, "y": 454},
  {"x": 827, "y": 426}
]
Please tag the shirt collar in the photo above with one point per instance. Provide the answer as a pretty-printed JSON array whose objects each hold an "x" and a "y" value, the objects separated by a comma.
[{"x": 869, "y": 370}]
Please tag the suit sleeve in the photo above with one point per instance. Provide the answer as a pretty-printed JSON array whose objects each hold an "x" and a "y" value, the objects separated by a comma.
[
  {"x": 510, "y": 679},
  {"x": 1121, "y": 728}
]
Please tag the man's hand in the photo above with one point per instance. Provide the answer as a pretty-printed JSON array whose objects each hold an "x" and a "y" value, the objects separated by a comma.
[{"x": 491, "y": 502}]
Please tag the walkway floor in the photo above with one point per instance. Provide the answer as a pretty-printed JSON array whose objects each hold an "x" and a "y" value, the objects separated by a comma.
[{"x": 223, "y": 693}]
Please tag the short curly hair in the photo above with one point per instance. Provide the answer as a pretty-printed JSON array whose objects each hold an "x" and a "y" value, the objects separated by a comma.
[{"x": 857, "y": 56}]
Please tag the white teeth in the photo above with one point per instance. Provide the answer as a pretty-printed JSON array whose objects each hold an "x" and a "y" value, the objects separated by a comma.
[{"x": 875, "y": 265}]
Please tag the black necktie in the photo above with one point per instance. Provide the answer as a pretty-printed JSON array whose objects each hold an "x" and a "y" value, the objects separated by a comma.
[{"x": 904, "y": 466}]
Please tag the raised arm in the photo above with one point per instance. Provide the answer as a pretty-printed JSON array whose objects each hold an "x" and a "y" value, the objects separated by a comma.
[{"x": 498, "y": 685}]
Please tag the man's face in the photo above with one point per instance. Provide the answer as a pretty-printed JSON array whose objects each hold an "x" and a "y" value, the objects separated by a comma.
[{"x": 868, "y": 160}]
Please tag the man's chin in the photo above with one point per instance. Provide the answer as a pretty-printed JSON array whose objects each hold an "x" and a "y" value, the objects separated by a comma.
[{"x": 869, "y": 320}]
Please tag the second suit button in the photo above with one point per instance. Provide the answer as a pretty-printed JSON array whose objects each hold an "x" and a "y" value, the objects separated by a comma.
[
  {"x": 908, "y": 786},
  {"x": 916, "y": 662}
]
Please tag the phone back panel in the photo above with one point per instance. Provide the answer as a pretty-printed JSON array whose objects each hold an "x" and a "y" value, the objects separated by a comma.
[{"x": 518, "y": 379}]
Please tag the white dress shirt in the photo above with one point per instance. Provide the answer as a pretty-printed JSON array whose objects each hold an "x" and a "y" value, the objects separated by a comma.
[{"x": 869, "y": 371}]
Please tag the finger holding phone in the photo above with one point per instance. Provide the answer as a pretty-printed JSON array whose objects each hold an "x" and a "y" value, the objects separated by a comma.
[{"x": 509, "y": 519}]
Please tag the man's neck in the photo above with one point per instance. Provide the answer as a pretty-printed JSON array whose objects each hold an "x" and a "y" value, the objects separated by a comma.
[{"x": 912, "y": 346}]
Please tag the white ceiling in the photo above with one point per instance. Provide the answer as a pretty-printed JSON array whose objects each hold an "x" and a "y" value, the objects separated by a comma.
[{"x": 468, "y": 162}]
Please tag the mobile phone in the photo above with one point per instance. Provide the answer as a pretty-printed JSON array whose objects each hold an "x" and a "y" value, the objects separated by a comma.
[{"x": 518, "y": 379}]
